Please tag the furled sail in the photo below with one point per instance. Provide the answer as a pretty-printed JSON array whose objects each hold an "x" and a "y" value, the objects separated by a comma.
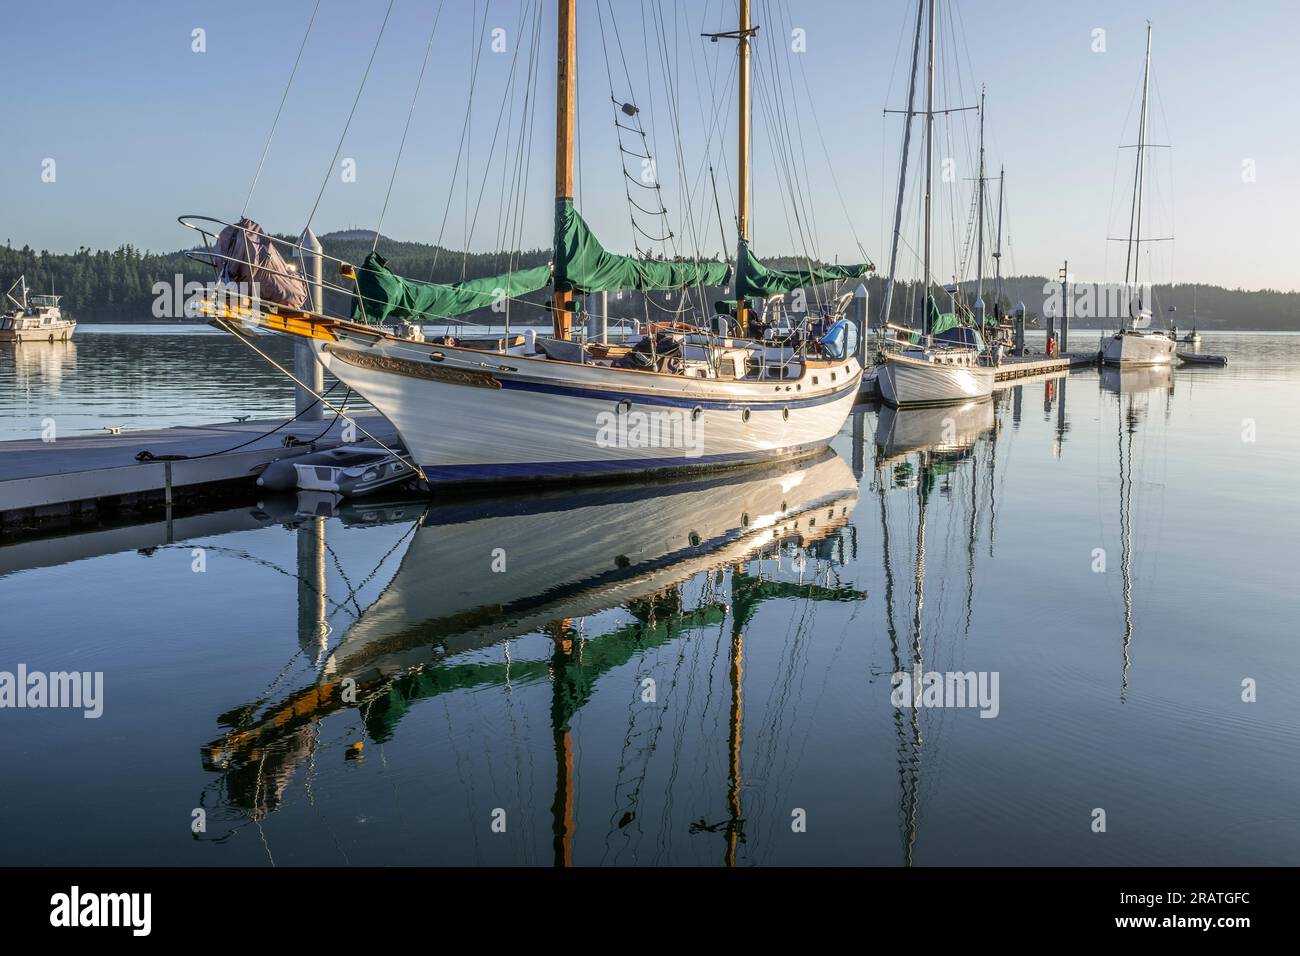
[
  {"x": 583, "y": 265},
  {"x": 382, "y": 294},
  {"x": 757, "y": 281}
]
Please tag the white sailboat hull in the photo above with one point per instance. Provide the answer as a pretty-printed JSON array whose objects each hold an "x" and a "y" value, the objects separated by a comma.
[
  {"x": 474, "y": 416},
  {"x": 1138, "y": 348},
  {"x": 906, "y": 382}
]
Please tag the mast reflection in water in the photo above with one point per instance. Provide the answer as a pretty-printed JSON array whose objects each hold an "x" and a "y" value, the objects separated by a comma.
[
  {"x": 562, "y": 557},
  {"x": 689, "y": 672}
]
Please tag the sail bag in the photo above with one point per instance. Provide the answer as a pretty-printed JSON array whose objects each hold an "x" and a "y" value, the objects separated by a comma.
[{"x": 249, "y": 256}]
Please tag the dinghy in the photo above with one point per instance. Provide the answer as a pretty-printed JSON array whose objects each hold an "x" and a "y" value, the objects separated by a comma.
[
  {"x": 1197, "y": 358},
  {"x": 350, "y": 470}
]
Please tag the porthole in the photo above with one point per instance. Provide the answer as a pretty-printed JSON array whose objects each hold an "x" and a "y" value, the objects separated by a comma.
[
  {"x": 744, "y": 520},
  {"x": 696, "y": 412},
  {"x": 744, "y": 415},
  {"x": 785, "y": 414},
  {"x": 694, "y": 539},
  {"x": 625, "y": 405}
]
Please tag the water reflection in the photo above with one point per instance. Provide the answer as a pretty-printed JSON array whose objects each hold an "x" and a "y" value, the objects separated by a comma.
[
  {"x": 42, "y": 365},
  {"x": 478, "y": 574},
  {"x": 923, "y": 450},
  {"x": 1134, "y": 389}
]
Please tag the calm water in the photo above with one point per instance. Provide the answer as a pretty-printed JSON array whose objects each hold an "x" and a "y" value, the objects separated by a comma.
[{"x": 674, "y": 673}]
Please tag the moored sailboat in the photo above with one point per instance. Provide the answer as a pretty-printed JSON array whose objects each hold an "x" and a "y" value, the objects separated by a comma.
[
  {"x": 552, "y": 407},
  {"x": 931, "y": 371},
  {"x": 1136, "y": 343}
]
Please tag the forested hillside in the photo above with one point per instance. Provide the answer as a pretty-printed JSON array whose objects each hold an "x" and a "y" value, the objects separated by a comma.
[{"x": 118, "y": 286}]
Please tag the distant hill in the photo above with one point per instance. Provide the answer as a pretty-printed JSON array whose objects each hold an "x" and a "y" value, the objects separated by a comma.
[{"x": 118, "y": 285}]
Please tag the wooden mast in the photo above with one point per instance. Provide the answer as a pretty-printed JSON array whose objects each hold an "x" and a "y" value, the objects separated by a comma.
[
  {"x": 565, "y": 106},
  {"x": 742, "y": 156}
]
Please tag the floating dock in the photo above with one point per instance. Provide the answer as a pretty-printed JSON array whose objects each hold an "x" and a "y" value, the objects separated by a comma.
[
  {"x": 1024, "y": 366},
  {"x": 83, "y": 478}
]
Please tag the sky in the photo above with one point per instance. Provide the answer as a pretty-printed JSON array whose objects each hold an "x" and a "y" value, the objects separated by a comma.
[{"x": 144, "y": 122}]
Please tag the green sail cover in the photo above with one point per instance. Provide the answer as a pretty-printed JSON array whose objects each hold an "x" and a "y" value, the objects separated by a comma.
[
  {"x": 583, "y": 265},
  {"x": 382, "y": 294},
  {"x": 755, "y": 280}
]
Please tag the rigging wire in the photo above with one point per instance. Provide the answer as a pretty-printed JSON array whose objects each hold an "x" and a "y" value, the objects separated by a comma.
[
  {"x": 407, "y": 128},
  {"x": 276, "y": 122},
  {"x": 330, "y": 170}
]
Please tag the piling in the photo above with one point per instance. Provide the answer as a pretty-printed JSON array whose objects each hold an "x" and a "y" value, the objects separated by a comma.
[
  {"x": 305, "y": 367},
  {"x": 858, "y": 313},
  {"x": 1065, "y": 308}
]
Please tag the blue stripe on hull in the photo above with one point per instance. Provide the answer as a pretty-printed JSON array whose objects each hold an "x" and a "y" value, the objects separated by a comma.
[
  {"x": 775, "y": 402},
  {"x": 530, "y": 471}
]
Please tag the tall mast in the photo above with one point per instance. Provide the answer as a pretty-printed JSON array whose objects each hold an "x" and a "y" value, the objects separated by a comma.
[
  {"x": 929, "y": 166},
  {"x": 742, "y": 154},
  {"x": 565, "y": 106},
  {"x": 997, "y": 253},
  {"x": 979, "y": 213},
  {"x": 1139, "y": 170},
  {"x": 902, "y": 166}
]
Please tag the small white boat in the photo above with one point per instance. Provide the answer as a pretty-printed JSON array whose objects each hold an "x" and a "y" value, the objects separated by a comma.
[
  {"x": 36, "y": 318},
  {"x": 350, "y": 470},
  {"x": 934, "y": 376},
  {"x": 1192, "y": 338}
]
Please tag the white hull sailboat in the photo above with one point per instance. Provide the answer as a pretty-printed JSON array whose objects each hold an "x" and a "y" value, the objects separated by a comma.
[
  {"x": 465, "y": 415},
  {"x": 934, "y": 377},
  {"x": 1136, "y": 344},
  {"x": 1136, "y": 347},
  {"x": 933, "y": 373},
  {"x": 541, "y": 408}
]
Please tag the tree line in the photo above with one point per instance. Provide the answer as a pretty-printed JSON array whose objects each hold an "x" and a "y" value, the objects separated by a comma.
[{"x": 119, "y": 285}]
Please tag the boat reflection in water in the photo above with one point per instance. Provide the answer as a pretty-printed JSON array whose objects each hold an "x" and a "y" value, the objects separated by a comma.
[
  {"x": 924, "y": 451},
  {"x": 1135, "y": 381},
  {"x": 1133, "y": 389},
  {"x": 478, "y": 573}
]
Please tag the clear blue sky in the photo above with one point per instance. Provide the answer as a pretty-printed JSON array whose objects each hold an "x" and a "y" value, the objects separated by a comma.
[{"x": 142, "y": 128}]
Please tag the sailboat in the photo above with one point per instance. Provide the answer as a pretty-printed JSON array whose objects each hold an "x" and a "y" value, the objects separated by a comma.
[
  {"x": 1193, "y": 338},
  {"x": 931, "y": 371},
  {"x": 1135, "y": 343},
  {"x": 535, "y": 407}
]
